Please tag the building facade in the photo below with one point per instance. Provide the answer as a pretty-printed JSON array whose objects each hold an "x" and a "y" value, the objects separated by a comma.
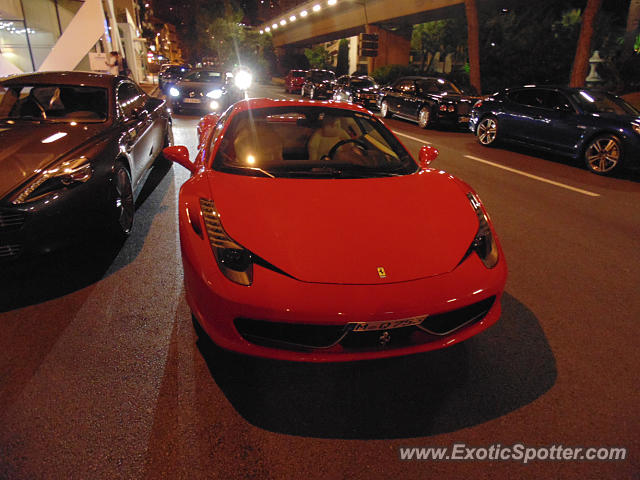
[{"x": 43, "y": 35}]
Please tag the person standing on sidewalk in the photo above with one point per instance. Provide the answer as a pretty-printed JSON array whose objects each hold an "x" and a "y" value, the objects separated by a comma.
[{"x": 113, "y": 62}]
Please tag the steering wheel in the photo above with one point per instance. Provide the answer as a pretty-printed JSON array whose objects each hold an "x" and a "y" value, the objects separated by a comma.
[{"x": 335, "y": 148}]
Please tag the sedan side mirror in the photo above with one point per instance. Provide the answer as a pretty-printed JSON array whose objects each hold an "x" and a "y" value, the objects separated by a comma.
[
  {"x": 180, "y": 155},
  {"x": 427, "y": 155}
]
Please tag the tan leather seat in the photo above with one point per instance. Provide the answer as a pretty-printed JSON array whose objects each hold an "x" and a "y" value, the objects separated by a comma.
[{"x": 324, "y": 139}]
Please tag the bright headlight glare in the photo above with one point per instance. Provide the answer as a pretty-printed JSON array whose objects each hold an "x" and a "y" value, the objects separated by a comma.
[
  {"x": 174, "y": 92},
  {"x": 234, "y": 261},
  {"x": 483, "y": 244},
  {"x": 243, "y": 79},
  {"x": 215, "y": 94},
  {"x": 213, "y": 105},
  {"x": 66, "y": 174}
]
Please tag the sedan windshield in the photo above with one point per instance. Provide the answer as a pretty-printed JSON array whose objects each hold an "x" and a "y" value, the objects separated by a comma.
[
  {"x": 601, "y": 102},
  {"x": 321, "y": 75},
  {"x": 310, "y": 142},
  {"x": 56, "y": 103},
  {"x": 204, "y": 76},
  {"x": 362, "y": 83}
]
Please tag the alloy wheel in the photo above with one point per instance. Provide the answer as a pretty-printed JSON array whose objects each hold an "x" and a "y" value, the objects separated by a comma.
[
  {"x": 487, "y": 131},
  {"x": 603, "y": 154}
]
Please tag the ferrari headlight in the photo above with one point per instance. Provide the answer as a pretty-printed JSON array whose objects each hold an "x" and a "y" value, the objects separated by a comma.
[
  {"x": 63, "y": 175},
  {"x": 215, "y": 94},
  {"x": 174, "y": 92},
  {"x": 234, "y": 261},
  {"x": 483, "y": 244}
]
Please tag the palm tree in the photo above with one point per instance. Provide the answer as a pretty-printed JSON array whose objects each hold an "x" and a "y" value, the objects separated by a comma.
[
  {"x": 473, "y": 39},
  {"x": 583, "y": 50}
]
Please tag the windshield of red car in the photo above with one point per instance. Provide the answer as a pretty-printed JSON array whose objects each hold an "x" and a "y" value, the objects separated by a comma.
[
  {"x": 55, "y": 103},
  {"x": 310, "y": 142}
]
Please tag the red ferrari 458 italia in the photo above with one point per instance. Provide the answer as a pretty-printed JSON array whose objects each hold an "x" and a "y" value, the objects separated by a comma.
[{"x": 308, "y": 232}]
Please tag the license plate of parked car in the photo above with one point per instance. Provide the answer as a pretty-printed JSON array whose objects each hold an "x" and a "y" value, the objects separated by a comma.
[
  {"x": 191, "y": 100},
  {"x": 386, "y": 325}
]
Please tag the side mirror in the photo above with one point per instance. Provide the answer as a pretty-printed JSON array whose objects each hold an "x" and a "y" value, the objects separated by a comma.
[
  {"x": 427, "y": 155},
  {"x": 180, "y": 155}
]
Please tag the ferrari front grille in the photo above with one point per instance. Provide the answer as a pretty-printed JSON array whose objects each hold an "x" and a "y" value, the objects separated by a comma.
[
  {"x": 291, "y": 336},
  {"x": 445, "y": 323},
  {"x": 295, "y": 336}
]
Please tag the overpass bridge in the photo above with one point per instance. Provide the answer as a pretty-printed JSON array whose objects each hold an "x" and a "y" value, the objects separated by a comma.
[{"x": 320, "y": 21}]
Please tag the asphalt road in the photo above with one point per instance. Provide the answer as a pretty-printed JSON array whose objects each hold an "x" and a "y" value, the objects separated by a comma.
[{"x": 101, "y": 375}]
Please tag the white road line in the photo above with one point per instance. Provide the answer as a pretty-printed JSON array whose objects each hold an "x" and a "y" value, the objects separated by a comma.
[
  {"x": 509, "y": 169},
  {"x": 421, "y": 140},
  {"x": 535, "y": 177}
]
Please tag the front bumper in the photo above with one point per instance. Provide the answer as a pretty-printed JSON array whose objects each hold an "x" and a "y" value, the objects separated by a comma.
[
  {"x": 223, "y": 308},
  {"x": 54, "y": 222}
]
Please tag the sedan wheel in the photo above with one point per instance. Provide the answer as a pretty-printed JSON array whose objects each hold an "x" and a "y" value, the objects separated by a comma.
[
  {"x": 384, "y": 110},
  {"x": 487, "y": 131},
  {"x": 424, "y": 118},
  {"x": 603, "y": 155},
  {"x": 123, "y": 206}
]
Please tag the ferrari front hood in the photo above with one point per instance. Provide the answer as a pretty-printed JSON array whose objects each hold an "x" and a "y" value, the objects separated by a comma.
[{"x": 349, "y": 231}]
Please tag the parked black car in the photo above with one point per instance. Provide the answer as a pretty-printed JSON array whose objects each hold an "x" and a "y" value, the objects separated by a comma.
[
  {"x": 596, "y": 126},
  {"x": 359, "y": 89},
  {"x": 169, "y": 74},
  {"x": 75, "y": 148},
  {"x": 204, "y": 89},
  {"x": 426, "y": 100},
  {"x": 318, "y": 84}
]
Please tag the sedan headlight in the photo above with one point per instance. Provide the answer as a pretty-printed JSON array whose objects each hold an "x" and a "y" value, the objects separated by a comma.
[
  {"x": 215, "y": 94},
  {"x": 174, "y": 92},
  {"x": 483, "y": 244},
  {"x": 64, "y": 175},
  {"x": 234, "y": 261},
  {"x": 243, "y": 79}
]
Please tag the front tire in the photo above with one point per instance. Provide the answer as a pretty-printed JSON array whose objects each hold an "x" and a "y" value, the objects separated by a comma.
[
  {"x": 487, "y": 131},
  {"x": 122, "y": 203},
  {"x": 603, "y": 154},
  {"x": 384, "y": 110}
]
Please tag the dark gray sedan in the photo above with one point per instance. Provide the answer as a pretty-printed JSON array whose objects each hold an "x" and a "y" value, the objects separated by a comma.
[
  {"x": 204, "y": 90},
  {"x": 75, "y": 147}
]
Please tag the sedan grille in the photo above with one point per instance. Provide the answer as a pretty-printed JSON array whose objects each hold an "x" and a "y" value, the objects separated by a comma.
[
  {"x": 11, "y": 220},
  {"x": 291, "y": 336},
  {"x": 10, "y": 251}
]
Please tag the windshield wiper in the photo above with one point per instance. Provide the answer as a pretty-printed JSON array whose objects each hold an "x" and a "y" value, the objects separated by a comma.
[{"x": 248, "y": 170}]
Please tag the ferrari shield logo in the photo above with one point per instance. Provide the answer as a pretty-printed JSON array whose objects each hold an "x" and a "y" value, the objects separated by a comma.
[{"x": 382, "y": 273}]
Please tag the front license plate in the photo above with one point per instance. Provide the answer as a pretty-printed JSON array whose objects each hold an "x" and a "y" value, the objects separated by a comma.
[
  {"x": 386, "y": 325},
  {"x": 464, "y": 119},
  {"x": 191, "y": 100}
]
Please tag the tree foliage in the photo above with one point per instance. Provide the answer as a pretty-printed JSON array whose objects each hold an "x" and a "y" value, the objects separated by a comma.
[{"x": 318, "y": 56}]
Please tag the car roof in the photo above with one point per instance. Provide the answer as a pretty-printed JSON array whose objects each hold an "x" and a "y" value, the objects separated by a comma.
[
  {"x": 90, "y": 79},
  {"x": 255, "y": 103}
]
